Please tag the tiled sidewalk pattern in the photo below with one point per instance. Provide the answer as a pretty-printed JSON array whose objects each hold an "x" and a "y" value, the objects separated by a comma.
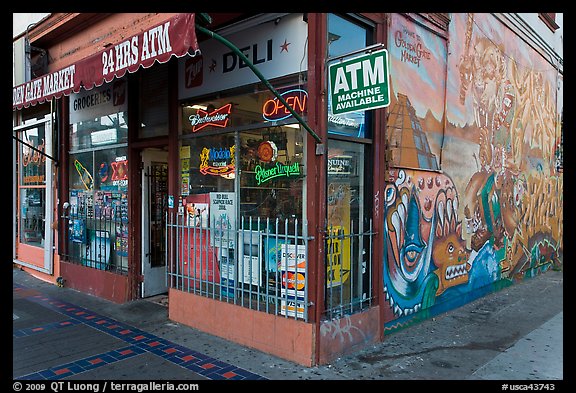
[{"x": 138, "y": 342}]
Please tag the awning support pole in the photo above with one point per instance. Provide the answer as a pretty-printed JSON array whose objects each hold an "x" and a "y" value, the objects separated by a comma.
[{"x": 261, "y": 77}]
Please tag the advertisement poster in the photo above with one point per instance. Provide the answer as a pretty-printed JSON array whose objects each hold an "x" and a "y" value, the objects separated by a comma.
[
  {"x": 272, "y": 256},
  {"x": 338, "y": 243},
  {"x": 98, "y": 250},
  {"x": 197, "y": 214},
  {"x": 122, "y": 239},
  {"x": 184, "y": 170},
  {"x": 293, "y": 280},
  {"x": 198, "y": 252},
  {"x": 251, "y": 257},
  {"x": 223, "y": 217},
  {"x": 223, "y": 231},
  {"x": 77, "y": 230},
  {"x": 227, "y": 275}
]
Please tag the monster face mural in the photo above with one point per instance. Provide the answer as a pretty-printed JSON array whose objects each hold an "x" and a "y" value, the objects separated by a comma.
[
  {"x": 475, "y": 202},
  {"x": 450, "y": 254},
  {"x": 408, "y": 254},
  {"x": 425, "y": 252}
]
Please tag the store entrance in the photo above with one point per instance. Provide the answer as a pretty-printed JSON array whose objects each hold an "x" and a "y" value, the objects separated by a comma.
[{"x": 154, "y": 207}]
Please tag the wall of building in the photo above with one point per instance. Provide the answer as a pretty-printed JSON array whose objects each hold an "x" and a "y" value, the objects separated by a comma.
[
  {"x": 493, "y": 213},
  {"x": 280, "y": 336}
]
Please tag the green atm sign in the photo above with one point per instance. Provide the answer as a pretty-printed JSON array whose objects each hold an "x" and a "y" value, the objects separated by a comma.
[{"x": 360, "y": 83}]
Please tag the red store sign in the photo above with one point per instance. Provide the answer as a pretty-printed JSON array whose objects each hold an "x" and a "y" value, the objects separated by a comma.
[{"x": 174, "y": 37}]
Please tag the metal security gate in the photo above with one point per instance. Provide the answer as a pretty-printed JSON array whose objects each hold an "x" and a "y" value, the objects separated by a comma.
[
  {"x": 262, "y": 265},
  {"x": 154, "y": 208}
]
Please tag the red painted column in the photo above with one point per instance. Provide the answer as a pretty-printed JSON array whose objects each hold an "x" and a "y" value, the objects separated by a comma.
[
  {"x": 378, "y": 214},
  {"x": 316, "y": 171}
]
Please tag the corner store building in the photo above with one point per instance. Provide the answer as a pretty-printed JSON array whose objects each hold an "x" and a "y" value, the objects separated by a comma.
[{"x": 392, "y": 225}]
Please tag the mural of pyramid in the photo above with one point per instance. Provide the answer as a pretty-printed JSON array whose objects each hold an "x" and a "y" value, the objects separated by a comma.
[{"x": 406, "y": 138}]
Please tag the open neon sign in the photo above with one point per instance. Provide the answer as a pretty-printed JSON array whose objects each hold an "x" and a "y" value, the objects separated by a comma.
[{"x": 274, "y": 110}]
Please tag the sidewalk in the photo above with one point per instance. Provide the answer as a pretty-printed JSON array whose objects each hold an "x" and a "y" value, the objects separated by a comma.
[{"x": 59, "y": 333}]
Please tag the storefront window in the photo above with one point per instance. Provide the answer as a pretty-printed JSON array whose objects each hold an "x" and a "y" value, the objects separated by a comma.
[
  {"x": 250, "y": 138},
  {"x": 153, "y": 101},
  {"x": 347, "y": 274},
  {"x": 207, "y": 164},
  {"x": 32, "y": 185},
  {"x": 346, "y": 36},
  {"x": 98, "y": 117},
  {"x": 242, "y": 177},
  {"x": 98, "y": 179},
  {"x": 349, "y": 181},
  {"x": 272, "y": 175}
]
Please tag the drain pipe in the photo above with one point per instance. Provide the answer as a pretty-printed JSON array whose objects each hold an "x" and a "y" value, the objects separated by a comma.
[{"x": 261, "y": 77}]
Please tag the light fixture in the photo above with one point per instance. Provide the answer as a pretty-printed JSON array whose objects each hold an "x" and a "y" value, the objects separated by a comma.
[{"x": 196, "y": 106}]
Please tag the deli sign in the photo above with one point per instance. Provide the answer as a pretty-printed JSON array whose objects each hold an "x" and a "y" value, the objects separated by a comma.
[{"x": 360, "y": 83}]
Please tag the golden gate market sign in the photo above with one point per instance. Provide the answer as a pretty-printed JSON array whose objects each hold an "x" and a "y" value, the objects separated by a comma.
[
  {"x": 360, "y": 83},
  {"x": 173, "y": 37}
]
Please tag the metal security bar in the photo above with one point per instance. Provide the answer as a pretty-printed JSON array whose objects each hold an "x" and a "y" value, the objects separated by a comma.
[
  {"x": 96, "y": 237},
  {"x": 260, "y": 265},
  {"x": 348, "y": 269}
]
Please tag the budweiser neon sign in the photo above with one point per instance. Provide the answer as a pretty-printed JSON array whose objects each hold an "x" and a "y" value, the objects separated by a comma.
[{"x": 217, "y": 118}]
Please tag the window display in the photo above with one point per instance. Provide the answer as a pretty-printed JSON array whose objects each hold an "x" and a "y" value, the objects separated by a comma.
[
  {"x": 272, "y": 173},
  {"x": 242, "y": 166},
  {"x": 98, "y": 179},
  {"x": 32, "y": 186}
]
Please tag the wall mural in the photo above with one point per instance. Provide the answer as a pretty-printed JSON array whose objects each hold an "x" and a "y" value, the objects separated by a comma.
[
  {"x": 418, "y": 75},
  {"x": 493, "y": 216}
]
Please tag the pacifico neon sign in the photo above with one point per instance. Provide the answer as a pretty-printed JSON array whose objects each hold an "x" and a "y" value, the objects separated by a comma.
[
  {"x": 274, "y": 110},
  {"x": 217, "y": 161}
]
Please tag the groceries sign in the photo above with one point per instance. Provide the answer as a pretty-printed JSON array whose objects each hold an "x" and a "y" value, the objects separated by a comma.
[{"x": 360, "y": 83}]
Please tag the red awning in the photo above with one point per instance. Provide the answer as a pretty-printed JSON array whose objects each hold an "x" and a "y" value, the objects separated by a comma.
[{"x": 174, "y": 37}]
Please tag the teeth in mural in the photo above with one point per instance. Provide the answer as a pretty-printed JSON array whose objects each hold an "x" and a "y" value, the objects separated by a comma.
[
  {"x": 455, "y": 206},
  {"x": 455, "y": 271},
  {"x": 397, "y": 228},
  {"x": 402, "y": 210},
  {"x": 398, "y": 311},
  {"x": 405, "y": 200},
  {"x": 440, "y": 209}
]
